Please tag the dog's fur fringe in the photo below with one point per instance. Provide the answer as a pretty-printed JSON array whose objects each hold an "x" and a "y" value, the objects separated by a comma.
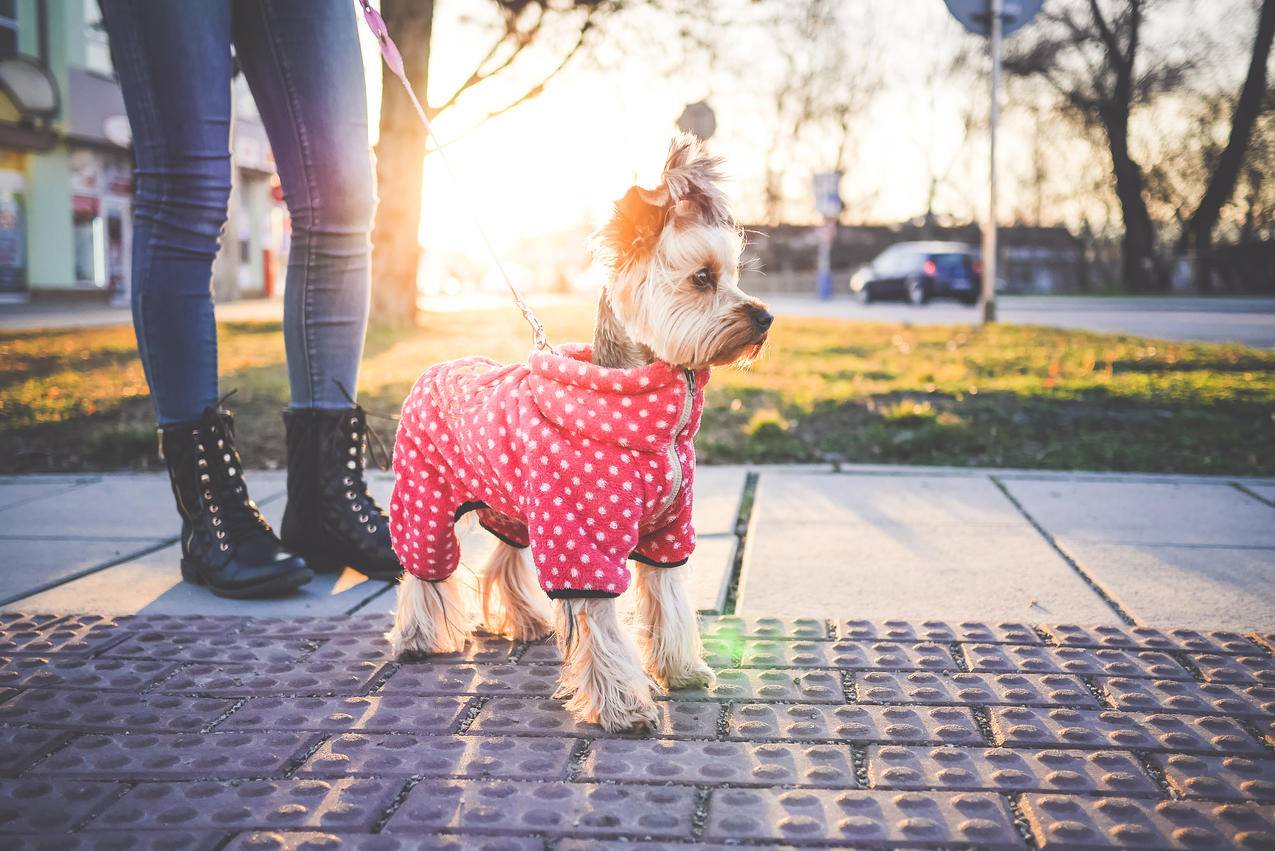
[
  {"x": 668, "y": 633},
  {"x": 431, "y": 617},
  {"x": 602, "y": 676},
  {"x": 512, "y": 603}
]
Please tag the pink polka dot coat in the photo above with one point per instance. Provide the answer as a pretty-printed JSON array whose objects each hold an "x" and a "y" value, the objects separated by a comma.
[{"x": 590, "y": 466}]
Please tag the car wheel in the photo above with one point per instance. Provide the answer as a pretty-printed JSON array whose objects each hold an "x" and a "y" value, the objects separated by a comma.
[
  {"x": 918, "y": 292},
  {"x": 865, "y": 295}
]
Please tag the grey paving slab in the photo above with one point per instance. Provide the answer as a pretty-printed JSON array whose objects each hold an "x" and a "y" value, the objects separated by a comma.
[
  {"x": 1230, "y": 587},
  {"x": 1267, "y": 492},
  {"x": 75, "y": 672},
  {"x": 20, "y": 746},
  {"x": 711, "y": 567},
  {"x": 353, "y": 804},
  {"x": 932, "y": 630},
  {"x": 1103, "y": 661},
  {"x": 300, "y": 678},
  {"x": 1189, "y": 697},
  {"x": 109, "y": 711},
  {"x": 427, "y": 679},
  {"x": 1140, "y": 513},
  {"x": 1234, "y": 778},
  {"x": 734, "y": 627},
  {"x": 1234, "y": 669},
  {"x": 408, "y": 755},
  {"x": 849, "y": 560},
  {"x": 121, "y": 840},
  {"x": 867, "y": 817},
  {"x": 1150, "y": 638},
  {"x": 805, "y": 722},
  {"x": 532, "y": 717},
  {"x": 850, "y": 655},
  {"x": 19, "y": 491},
  {"x": 794, "y": 685},
  {"x": 1005, "y": 770},
  {"x": 963, "y": 688},
  {"x": 31, "y": 564},
  {"x": 210, "y": 648},
  {"x": 1060, "y": 821},
  {"x": 717, "y": 493},
  {"x": 554, "y": 809},
  {"x": 175, "y": 756},
  {"x": 152, "y": 584},
  {"x": 737, "y": 763},
  {"x": 276, "y": 840},
  {"x": 1025, "y": 727}
]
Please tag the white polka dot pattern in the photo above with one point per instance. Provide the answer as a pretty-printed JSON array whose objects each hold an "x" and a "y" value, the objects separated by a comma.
[{"x": 588, "y": 465}]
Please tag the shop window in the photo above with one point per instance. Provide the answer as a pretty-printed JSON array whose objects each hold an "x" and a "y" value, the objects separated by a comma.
[
  {"x": 97, "y": 48},
  {"x": 89, "y": 232}
]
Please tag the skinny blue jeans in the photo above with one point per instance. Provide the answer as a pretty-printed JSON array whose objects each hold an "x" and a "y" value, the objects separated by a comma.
[{"x": 302, "y": 62}]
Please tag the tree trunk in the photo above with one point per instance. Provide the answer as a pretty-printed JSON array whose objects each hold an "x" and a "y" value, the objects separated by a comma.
[
  {"x": 400, "y": 167},
  {"x": 1198, "y": 233},
  {"x": 1140, "y": 270}
]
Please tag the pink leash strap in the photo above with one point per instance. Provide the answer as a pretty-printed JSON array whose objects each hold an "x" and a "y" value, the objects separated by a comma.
[{"x": 394, "y": 60}]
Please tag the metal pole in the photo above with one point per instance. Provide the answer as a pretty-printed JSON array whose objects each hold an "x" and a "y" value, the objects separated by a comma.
[{"x": 989, "y": 228}]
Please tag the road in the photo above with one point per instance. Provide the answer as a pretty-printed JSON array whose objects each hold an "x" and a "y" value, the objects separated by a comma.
[{"x": 1242, "y": 320}]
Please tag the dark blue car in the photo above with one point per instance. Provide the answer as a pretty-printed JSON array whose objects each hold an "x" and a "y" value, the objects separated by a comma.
[{"x": 920, "y": 271}]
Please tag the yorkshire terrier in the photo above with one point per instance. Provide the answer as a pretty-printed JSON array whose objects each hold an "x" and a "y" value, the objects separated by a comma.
[{"x": 584, "y": 455}]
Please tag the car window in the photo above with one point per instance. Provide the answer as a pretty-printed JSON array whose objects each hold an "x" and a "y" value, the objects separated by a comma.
[{"x": 951, "y": 264}]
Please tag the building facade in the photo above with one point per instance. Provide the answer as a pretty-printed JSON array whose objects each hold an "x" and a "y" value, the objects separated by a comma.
[{"x": 66, "y": 167}]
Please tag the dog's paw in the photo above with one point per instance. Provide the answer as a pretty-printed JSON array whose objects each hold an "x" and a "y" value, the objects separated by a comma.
[
  {"x": 696, "y": 675},
  {"x": 637, "y": 714}
]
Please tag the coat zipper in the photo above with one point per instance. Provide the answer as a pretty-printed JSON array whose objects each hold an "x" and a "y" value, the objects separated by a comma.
[{"x": 675, "y": 463}]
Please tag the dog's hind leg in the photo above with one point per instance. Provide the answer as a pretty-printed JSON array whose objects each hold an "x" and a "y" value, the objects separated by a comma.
[
  {"x": 512, "y": 603},
  {"x": 431, "y": 617},
  {"x": 668, "y": 631},
  {"x": 602, "y": 676}
]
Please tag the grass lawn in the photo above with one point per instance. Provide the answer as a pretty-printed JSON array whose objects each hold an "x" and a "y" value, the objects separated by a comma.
[{"x": 1005, "y": 396}]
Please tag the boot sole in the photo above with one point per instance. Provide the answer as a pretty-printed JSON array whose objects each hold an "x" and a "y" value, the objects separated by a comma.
[
  {"x": 327, "y": 563},
  {"x": 274, "y": 587}
]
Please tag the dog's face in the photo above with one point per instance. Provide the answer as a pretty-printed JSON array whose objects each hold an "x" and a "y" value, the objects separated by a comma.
[{"x": 673, "y": 254}]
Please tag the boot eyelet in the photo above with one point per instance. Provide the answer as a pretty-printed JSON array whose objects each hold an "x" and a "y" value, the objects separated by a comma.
[
  {"x": 213, "y": 508},
  {"x": 216, "y": 521},
  {"x": 221, "y": 444},
  {"x": 351, "y": 495},
  {"x": 363, "y": 518},
  {"x": 356, "y": 507},
  {"x": 231, "y": 471},
  {"x": 371, "y": 528},
  {"x": 226, "y": 457},
  {"x": 224, "y": 546},
  {"x": 347, "y": 481},
  {"x": 199, "y": 446},
  {"x": 221, "y": 533},
  {"x": 203, "y": 463},
  {"x": 350, "y": 464},
  {"x": 354, "y": 450}
]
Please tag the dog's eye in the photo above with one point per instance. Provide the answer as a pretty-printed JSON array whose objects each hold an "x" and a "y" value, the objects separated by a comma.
[{"x": 703, "y": 279}]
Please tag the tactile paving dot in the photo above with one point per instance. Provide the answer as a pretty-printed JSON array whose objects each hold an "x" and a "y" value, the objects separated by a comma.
[
  {"x": 529, "y": 717},
  {"x": 370, "y": 714},
  {"x": 861, "y": 817},
  {"x": 788, "y": 686},
  {"x": 530, "y": 680},
  {"x": 20, "y": 746},
  {"x": 939, "y": 724},
  {"x": 304, "y": 678},
  {"x": 120, "y": 840},
  {"x": 194, "y": 647},
  {"x": 1189, "y": 698},
  {"x": 315, "y": 841},
  {"x": 165, "y": 756},
  {"x": 737, "y": 626},
  {"x": 1235, "y": 669},
  {"x": 87, "y": 710},
  {"x": 1150, "y": 638},
  {"x": 1266, "y": 639},
  {"x": 1024, "y": 727},
  {"x": 854, "y": 655},
  {"x": 1070, "y": 822},
  {"x": 942, "y": 631},
  {"x": 50, "y": 671},
  {"x": 1073, "y": 660},
  {"x": 319, "y": 626},
  {"x": 977, "y": 689},
  {"x": 481, "y": 648},
  {"x": 1229, "y": 777},
  {"x": 230, "y": 805},
  {"x": 737, "y": 763},
  {"x": 404, "y": 755},
  {"x": 67, "y": 637},
  {"x": 1004, "y": 770},
  {"x": 42, "y": 806},
  {"x": 580, "y": 809}
]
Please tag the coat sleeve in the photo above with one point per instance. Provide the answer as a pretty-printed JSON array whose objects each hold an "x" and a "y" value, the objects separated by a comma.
[{"x": 671, "y": 544}]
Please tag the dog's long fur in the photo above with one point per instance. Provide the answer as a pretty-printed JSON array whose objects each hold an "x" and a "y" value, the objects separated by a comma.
[{"x": 671, "y": 256}]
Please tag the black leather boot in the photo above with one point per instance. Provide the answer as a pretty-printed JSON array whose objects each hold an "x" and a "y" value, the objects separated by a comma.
[
  {"x": 331, "y": 519},
  {"x": 226, "y": 543}
]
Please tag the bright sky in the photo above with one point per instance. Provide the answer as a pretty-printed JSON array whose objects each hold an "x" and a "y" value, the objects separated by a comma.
[{"x": 558, "y": 161}]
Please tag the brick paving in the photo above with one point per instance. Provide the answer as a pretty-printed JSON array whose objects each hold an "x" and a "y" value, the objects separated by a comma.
[{"x": 288, "y": 733}]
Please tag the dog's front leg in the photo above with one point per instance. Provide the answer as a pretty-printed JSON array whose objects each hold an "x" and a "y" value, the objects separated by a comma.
[
  {"x": 668, "y": 631},
  {"x": 602, "y": 675}
]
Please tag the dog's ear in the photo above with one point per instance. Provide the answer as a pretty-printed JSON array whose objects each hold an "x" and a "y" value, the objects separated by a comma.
[
  {"x": 691, "y": 178},
  {"x": 635, "y": 224}
]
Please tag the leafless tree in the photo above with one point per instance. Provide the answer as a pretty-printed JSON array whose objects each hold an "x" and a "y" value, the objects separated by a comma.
[{"x": 401, "y": 148}]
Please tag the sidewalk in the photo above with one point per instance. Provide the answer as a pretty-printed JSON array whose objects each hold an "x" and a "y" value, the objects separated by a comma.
[{"x": 964, "y": 659}]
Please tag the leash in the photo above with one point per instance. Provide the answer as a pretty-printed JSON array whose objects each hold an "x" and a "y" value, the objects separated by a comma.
[{"x": 394, "y": 61}]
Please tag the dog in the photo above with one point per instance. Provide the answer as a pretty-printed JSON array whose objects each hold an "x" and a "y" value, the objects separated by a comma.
[{"x": 585, "y": 457}]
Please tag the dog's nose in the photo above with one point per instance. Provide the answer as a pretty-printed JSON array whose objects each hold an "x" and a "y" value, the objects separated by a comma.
[{"x": 762, "y": 318}]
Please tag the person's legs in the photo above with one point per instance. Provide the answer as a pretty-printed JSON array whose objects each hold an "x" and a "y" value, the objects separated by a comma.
[
  {"x": 173, "y": 60},
  {"x": 303, "y": 62}
]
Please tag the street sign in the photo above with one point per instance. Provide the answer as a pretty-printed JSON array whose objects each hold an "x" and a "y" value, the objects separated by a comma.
[
  {"x": 828, "y": 194},
  {"x": 698, "y": 119},
  {"x": 975, "y": 16}
]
